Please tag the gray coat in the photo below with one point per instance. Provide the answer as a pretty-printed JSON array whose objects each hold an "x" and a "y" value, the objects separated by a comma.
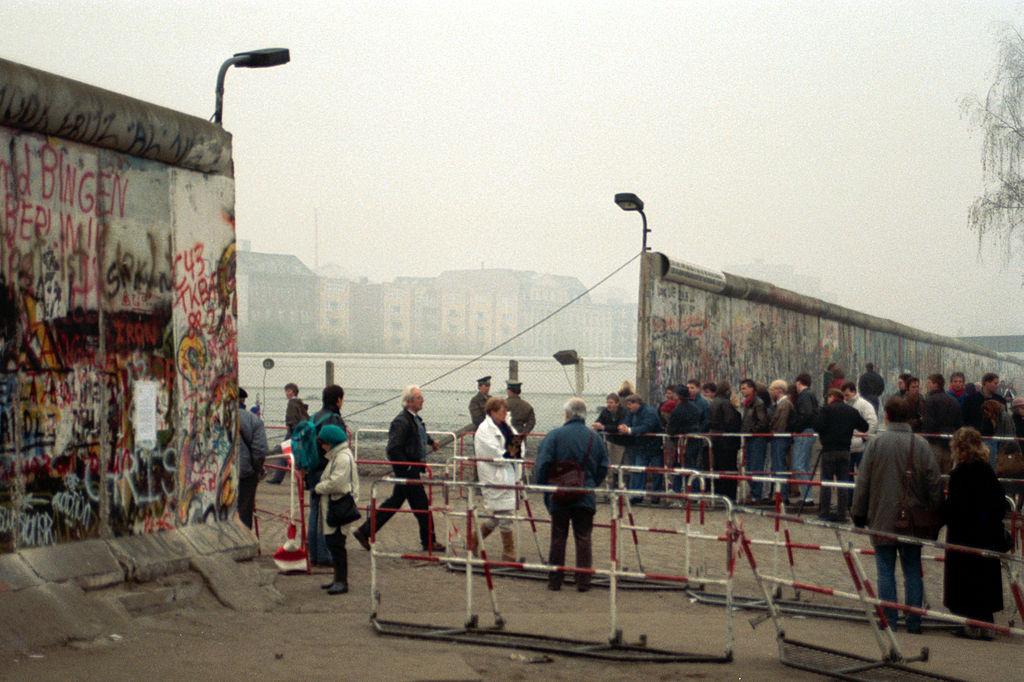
[
  {"x": 252, "y": 444},
  {"x": 876, "y": 496}
]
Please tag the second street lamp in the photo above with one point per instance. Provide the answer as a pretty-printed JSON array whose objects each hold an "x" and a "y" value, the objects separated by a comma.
[
  {"x": 628, "y": 201},
  {"x": 254, "y": 59}
]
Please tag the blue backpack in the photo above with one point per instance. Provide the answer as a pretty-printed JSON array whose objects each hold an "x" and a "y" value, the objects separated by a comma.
[{"x": 305, "y": 445}]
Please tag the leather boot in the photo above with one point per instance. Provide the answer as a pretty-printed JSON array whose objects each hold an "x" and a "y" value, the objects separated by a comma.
[
  {"x": 485, "y": 531},
  {"x": 340, "y": 556},
  {"x": 508, "y": 545}
]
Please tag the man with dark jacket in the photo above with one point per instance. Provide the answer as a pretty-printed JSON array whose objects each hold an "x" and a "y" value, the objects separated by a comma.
[
  {"x": 871, "y": 385},
  {"x": 252, "y": 451},
  {"x": 333, "y": 397},
  {"x": 408, "y": 441},
  {"x": 572, "y": 441},
  {"x": 972, "y": 403},
  {"x": 685, "y": 418},
  {"x": 942, "y": 414},
  {"x": 835, "y": 427},
  {"x": 642, "y": 450},
  {"x": 755, "y": 420},
  {"x": 805, "y": 415},
  {"x": 294, "y": 412}
]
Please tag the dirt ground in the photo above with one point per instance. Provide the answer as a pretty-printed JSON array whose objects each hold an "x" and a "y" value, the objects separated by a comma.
[{"x": 317, "y": 636}]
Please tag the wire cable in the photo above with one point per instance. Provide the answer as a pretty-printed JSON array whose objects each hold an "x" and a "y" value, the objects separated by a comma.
[{"x": 510, "y": 339}]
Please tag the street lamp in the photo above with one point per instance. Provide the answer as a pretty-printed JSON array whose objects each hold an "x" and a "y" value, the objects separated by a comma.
[
  {"x": 631, "y": 202},
  {"x": 568, "y": 358},
  {"x": 254, "y": 59}
]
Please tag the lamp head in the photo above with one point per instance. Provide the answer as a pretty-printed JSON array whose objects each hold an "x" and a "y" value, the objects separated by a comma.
[
  {"x": 628, "y": 201},
  {"x": 261, "y": 59}
]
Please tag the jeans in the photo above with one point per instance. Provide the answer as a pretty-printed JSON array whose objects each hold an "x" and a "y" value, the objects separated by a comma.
[
  {"x": 693, "y": 458},
  {"x": 913, "y": 585},
  {"x": 638, "y": 479},
  {"x": 315, "y": 543},
  {"x": 802, "y": 449},
  {"x": 835, "y": 464},
  {"x": 780, "y": 447},
  {"x": 756, "y": 449}
]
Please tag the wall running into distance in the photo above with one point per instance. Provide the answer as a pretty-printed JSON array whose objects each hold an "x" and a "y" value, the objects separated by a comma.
[
  {"x": 696, "y": 322},
  {"x": 118, "y": 364}
]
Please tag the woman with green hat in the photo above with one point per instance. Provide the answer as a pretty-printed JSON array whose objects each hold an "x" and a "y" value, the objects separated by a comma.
[{"x": 340, "y": 478}]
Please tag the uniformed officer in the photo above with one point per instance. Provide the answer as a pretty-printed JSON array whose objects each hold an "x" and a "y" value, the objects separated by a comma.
[
  {"x": 521, "y": 412},
  {"x": 477, "y": 403}
]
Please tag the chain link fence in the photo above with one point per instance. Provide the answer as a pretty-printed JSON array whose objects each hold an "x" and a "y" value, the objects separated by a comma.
[{"x": 373, "y": 384}]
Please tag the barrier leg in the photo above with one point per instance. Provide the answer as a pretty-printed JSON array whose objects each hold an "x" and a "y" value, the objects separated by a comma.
[
  {"x": 877, "y": 620},
  {"x": 632, "y": 522},
  {"x": 533, "y": 528},
  {"x": 615, "y": 634},
  {"x": 471, "y": 619},
  {"x": 300, "y": 489},
  {"x": 499, "y": 622},
  {"x": 374, "y": 591}
]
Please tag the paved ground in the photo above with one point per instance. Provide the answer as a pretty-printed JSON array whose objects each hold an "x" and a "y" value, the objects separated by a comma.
[{"x": 316, "y": 636}]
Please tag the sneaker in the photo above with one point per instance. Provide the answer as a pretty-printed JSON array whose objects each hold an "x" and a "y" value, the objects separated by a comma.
[{"x": 360, "y": 535}]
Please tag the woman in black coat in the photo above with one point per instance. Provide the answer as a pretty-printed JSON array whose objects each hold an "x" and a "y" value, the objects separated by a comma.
[
  {"x": 724, "y": 418},
  {"x": 973, "y": 513}
]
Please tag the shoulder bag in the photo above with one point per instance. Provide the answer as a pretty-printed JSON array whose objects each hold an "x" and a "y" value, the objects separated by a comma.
[
  {"x": 911, "y": 517},
  {"x": 569, "y": 473},
  {"x": 343, "y": 511}
]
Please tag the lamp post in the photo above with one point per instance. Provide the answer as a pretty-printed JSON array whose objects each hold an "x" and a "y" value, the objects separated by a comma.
[
  {"x": 571, "y": 357},
  {"x": 254, "y": 59},
  {"x": 628, "y": 201}
]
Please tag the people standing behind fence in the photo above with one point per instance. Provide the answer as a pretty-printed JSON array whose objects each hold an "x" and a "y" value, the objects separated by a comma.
[
  {"x": 973, "y": 513},
  {"x": 667, "y": 405},
  {"x": 806, "y": 414},
  {"x": 697, "y": 449},
  {"x": 996, "y": 423},
  {"x": 724, "y": 418},
  {"x": 754, "y": 420},
  {"x": 957, "y": 388},
  {"x": 973, "y": 401},
  {"x": 339, "y": 478},
  {"x": 333, "y": 397},
  {"x": 871, "y": 385},
  {"x": 478, "y": 403},
  {"x": 496, "y": 449},
  {"x": 612, "y": 415},
  {"x": 643, "y": 448},
  {"x": 942, "y": 415},
  {"x": 865, "y": 410},
  {"x": 522, "y": 416},
  {"x": 572, "y": 446},
  {"x": 685, "y": 419},
  {"x": 915, "y": 402},
  {"x": 887, "y": 483},
  {"x": 294, "y": 412},
  {"x": 252, "y": 451},
  {"x": 835, "y": 426},
  {"x": 780, "y": 416},
  {"x": 408, "y": 444}
]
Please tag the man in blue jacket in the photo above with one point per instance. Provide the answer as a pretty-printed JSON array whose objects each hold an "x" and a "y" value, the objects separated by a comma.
[
  {"x": 572, "y": 441},
  {"x": 642, "y": 450}
]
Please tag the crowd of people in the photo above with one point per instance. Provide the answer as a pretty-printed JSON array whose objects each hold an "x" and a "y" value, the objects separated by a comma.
[{"x": 924, "y": 461}]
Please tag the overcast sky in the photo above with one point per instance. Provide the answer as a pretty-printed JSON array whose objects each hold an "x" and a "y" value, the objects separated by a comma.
[{"x": 825, "y": 138}]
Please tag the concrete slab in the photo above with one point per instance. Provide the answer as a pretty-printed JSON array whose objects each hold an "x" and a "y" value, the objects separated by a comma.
[
  {"x": 151, "y": 556},
  {"x": 16, "y": 574},
  {"x": 89, "y": 563},
  {"x": 236, "y": 585},
  {"x": 228, "y": 537},
  {"x": 54, "y": 613}
]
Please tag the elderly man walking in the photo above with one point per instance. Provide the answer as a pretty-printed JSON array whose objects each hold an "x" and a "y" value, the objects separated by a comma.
[
  {"x": 898, "y": 468},
  {"x": 408, "y": 441},
  {"x": 571, "y": 445}
]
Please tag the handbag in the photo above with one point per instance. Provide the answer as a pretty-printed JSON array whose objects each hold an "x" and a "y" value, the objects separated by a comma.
[
  {"x": 343, "y": 511},
  {"x": 1010, "y": 463},
  {"x": 912, "y": 518},
  {"x": 569, "y": 473}
]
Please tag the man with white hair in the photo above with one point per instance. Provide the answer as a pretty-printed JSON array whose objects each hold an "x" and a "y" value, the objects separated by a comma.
[
  {"x": 408, "y": 441},
  {"x": 571, "y": 449}
]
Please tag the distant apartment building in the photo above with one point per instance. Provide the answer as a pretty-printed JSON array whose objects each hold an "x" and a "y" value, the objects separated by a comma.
[{"x": 285, "y": 306}]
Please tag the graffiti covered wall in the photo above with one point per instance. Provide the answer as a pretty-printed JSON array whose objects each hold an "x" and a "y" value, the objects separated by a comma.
[
  {"x": 118, "y": 365},
  {"x": 712, "y": 326}
]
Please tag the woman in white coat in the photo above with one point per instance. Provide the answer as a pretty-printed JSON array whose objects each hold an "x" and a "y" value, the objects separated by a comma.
[
  {"x": 497, "y": 454},
  {"x": 340, "y": 478}
]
